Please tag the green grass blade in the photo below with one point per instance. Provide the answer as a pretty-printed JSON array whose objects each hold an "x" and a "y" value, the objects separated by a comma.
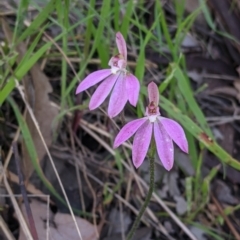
[
  {"x": 179, "y": 8},
  {"x": 30, "y": 49},
  {"x": 207, "y": 14},
  {"x": 182, "y": 30},
  {"x": 20, "y": 72},
  {"x": 126, "y": 20},
  {"x": 88, "y": 32},
  {"x": 165, "y": 27},
  {"x": 193, "y": 152},
  {"x": 100, "y": 44},
  {"x": 183, "y": 84},
  {"x": 38, "y": 21},
  {"x": 21, "y": 13},
  {"x": 189, "y": 191},
  {"x": 165, "y": 83},
  {"x": 140, "y": 69},
  {"x": 116, "y": 13},
  {"x": 63, "y": 12}
]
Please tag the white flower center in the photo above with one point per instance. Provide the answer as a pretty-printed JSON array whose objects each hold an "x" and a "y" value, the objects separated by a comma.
[
  {"x": 152, "y": 118},
  {"x": 117, "y": 63},
  {"x": 114, "y": 70}
]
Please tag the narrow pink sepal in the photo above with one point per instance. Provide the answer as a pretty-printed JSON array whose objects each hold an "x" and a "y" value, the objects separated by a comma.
[
  {"x": 121, "y": 45},
  {"x": 153, "y": 93},
  {"x": 102, "y": 91},
  {"x": 93, "y": 79},
  {"x": 176, "y": 132},
  {"x": 141, "y": 143},
  {"x": 127, "y": 131},
  {"x": 133, "y": 88},
  {"x": 118, "y": 97},
  {"x": 164, "y": 145}
]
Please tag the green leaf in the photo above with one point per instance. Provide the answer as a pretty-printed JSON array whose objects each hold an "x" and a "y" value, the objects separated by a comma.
[
  {"x": 126, "y": 20},
  {"x": 184, "y": 86}
]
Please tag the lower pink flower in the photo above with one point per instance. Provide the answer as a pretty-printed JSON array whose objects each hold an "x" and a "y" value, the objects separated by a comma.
[{"x": 164, "y": 130}]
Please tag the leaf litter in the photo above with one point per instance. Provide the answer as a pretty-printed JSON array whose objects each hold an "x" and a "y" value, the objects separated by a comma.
[
  {"x": 220, "y": 99},
  {"x": 57, "y": 226}
]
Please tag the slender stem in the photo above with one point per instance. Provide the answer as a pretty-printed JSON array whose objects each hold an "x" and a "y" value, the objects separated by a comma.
[{"x": 148, "y": 197}]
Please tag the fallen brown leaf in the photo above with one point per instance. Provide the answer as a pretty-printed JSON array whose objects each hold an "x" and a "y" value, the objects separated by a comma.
[{"x": 61, "y": 225}]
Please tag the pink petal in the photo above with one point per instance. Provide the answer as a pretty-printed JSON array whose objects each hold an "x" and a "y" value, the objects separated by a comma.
[
  {"x": 141, "y": 143},
  {"x": 93, "y": 79},
  {"x": 118, "y": 98},
  {"x": 133, "y": 88},
  {"x": 164, "y": 145},
  {"x": 102, "y": 91},
  {"x": 121, "y": 45},
  {"x": 176, "y": 132},
  {"x": 127, "y": 131},
  {"x": 153, "y": 93}
]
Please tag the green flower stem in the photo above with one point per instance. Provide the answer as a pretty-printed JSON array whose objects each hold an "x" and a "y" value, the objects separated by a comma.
[{"x": 148, "y": 197}]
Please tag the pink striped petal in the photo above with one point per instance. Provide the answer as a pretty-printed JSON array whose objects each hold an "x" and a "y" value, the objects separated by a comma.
[
  {"x": 93, "y": 79},
  {"x": 121, "y": 45},
  {"x": 153, "y": 93},
  {"x": 141, "y": 143},
  {"x": 176, "y": 132},
  {"x": 118, "y": 98},
  {"x": 133, "y": 88},
  {"x": 127, "y": 131},
  {"x": 102, "y": 91},
  {"x": 164, "y": 145}
]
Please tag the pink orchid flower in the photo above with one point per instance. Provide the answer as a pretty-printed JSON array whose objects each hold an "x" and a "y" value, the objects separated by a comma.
[
  {"x": 125, "y": 85},
  {"x": 165, "y": 132}
]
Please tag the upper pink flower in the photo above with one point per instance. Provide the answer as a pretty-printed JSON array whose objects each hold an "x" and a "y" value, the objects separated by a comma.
[
  {"x": 165, "y": 132},
  {"x": 125, "y": 85}
]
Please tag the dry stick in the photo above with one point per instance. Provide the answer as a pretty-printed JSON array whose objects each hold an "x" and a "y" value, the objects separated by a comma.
[
  {"x": 231, "y": 227},
  {"x": 9, "y": 155},
  {"x": 21, "y": 219},
  {"x": 49, "y": 155},
  {"x": 24, "y": 192},
  {"x": 6, "y": 230},
  {"x": 94, "y": 198},
  {"x": 30, "y": 188},
  {"x": 121, "y": 216},
  {"x": 3, "y": 225}
]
